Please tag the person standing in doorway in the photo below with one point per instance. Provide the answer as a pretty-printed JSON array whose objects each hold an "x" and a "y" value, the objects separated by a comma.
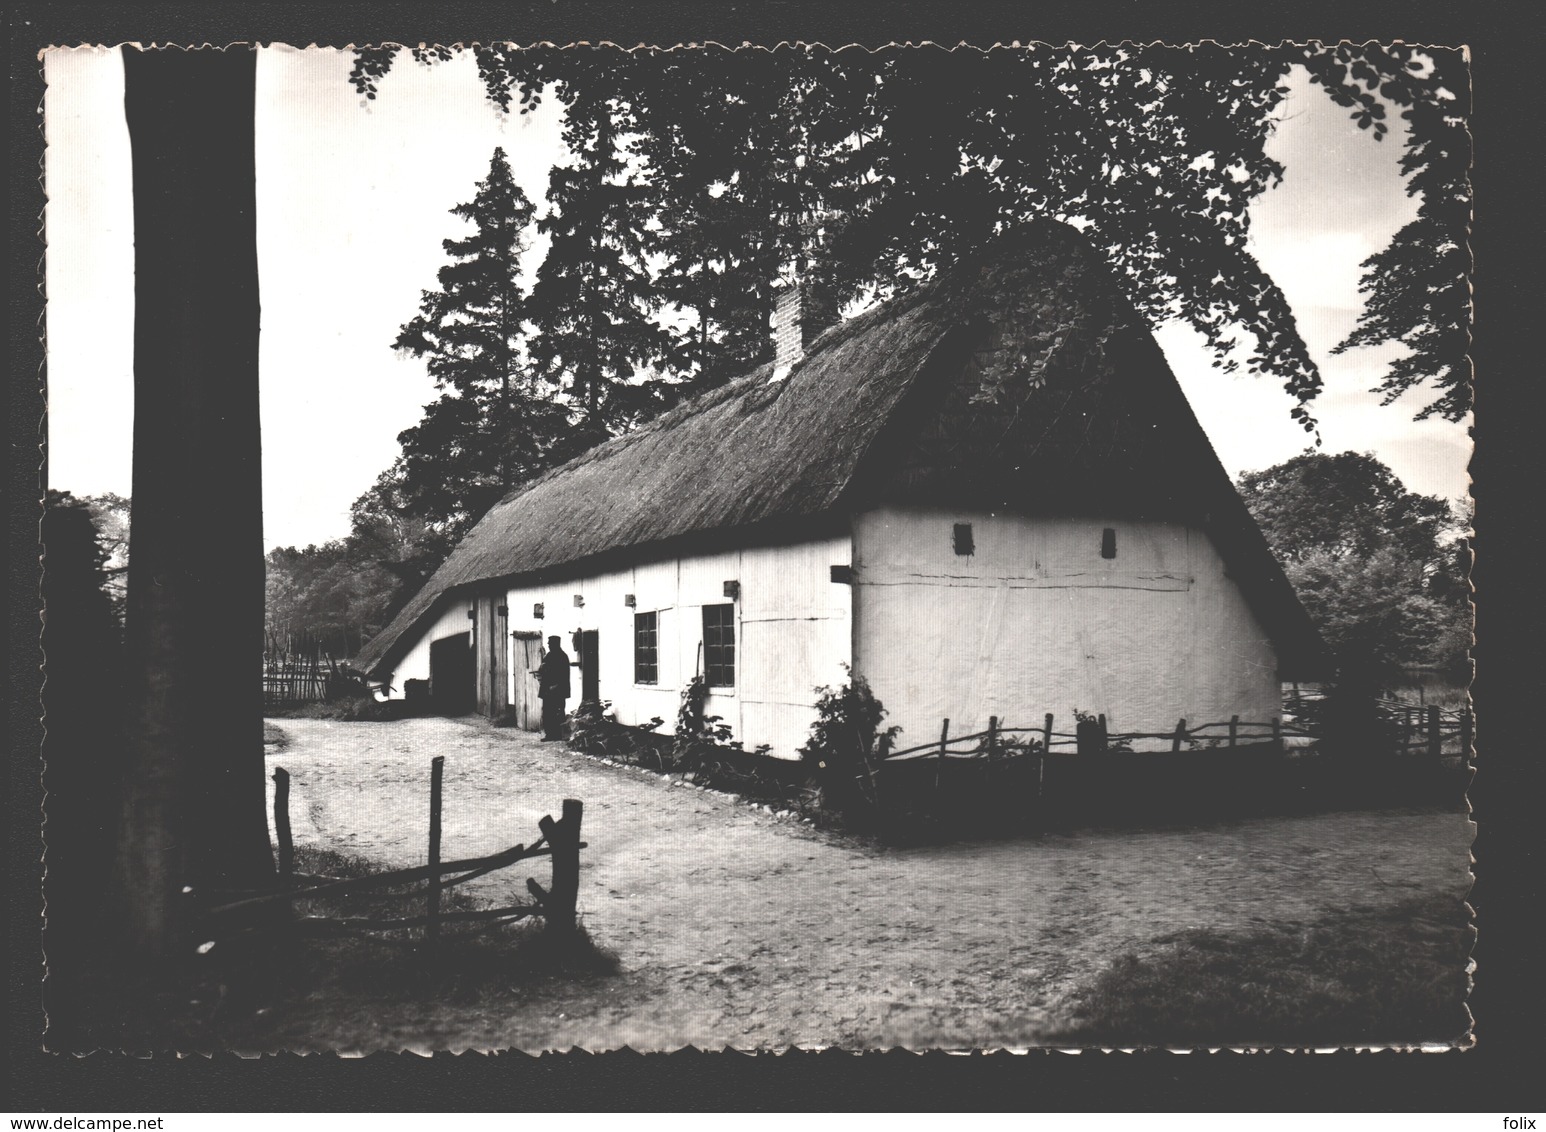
[{"x": 553, "y": 689}]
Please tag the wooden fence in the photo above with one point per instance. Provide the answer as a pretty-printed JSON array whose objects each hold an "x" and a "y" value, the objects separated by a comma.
[
  {"x": 559, "y": 839},
  {"x": 1022, "y": 769},
  {"x": 1429, "y": 730},
  {"x": 295, "y": 671},
  {"x": 300, "y": 670}
]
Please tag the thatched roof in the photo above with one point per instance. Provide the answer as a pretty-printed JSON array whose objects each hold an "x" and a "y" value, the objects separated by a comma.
[{"x": 859, "y": 416}]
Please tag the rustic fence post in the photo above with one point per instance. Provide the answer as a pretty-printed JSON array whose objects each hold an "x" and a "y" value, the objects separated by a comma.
[
  {"x": 564, "y": 841},
  {"x": 1175, "y": 743},
  {"x": 1046, "y": 749},
  {"x": 1090, "y": 735},
  {"x": 944, "y": 737},
  {"x": 1234, "y": 730},
  {"x": 1277, "y": 734},
  {"x": 1406, "y": 729},
  {"x": 1435, "y": 736},
  {"x": 1467, "y": 724},
  {"x": 282, "y": 826},
  {"x": 992, "y": 736},
  {"x": 437, "y": 769}
]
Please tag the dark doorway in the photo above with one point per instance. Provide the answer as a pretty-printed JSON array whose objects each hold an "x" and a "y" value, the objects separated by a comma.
[
  {"x": 451, "y": 686},
  {"x": 590, "y": 665}
]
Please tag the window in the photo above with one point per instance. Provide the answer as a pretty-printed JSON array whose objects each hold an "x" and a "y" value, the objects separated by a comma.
[
  {"x": 1108, "y": 543},
  {"x": 646, "y": 655},
  {"x": 962, "y": 539},
  {"x": 719, "y": 645}
]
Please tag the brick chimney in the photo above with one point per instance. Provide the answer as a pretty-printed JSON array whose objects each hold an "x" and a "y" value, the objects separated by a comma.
[
  {"x": 788, "y": 330},
  {"x": 801, "y": 311}
]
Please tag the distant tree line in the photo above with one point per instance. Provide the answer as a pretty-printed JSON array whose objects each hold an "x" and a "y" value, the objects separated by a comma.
[
  {"x": 345, "y": 590},
  {"x": 109, "y": 515},
  {"x": 1384, "y": 572}
]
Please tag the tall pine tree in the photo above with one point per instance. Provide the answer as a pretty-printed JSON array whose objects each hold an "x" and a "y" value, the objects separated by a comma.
[
  {"x": 599, "y": 336},
  {"x": 493, "y": 426}
]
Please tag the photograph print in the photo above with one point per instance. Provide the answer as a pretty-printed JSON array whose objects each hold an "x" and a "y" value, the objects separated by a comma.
[{"x": 564, "y": 547}]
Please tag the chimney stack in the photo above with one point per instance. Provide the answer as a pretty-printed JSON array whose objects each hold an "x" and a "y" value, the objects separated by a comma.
[{"x": 788, "y": 331}]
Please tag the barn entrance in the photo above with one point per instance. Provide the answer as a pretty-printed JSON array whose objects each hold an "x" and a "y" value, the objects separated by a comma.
[
  {"x": 451, "y": 674},
  {"x": 590, "y": 666},
  {"x": 527, "y": 648},
  {"x": 493, "y": 648}
]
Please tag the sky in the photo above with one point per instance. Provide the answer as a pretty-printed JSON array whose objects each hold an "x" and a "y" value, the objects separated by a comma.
[{"x": 353, "y": 202}]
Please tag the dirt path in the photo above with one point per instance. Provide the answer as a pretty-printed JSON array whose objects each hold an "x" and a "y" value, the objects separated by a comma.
[{"x": 735, "y": 928}]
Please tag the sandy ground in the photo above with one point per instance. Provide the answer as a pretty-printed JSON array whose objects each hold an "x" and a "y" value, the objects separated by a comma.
[{"x": 736, "y": 928}]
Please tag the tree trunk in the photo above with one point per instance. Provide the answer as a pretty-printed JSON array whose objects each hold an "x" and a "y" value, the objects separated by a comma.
[{"x": 194, "y": 812}]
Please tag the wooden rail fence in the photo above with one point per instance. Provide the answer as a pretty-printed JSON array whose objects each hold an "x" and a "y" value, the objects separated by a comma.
[
  {"x": 1010, "y": 759},
  {"x": 556, "y": 904},
  {"x": 299, "y": 670},
  {"x": 1429, "y": 730},
  {"x": 1090, "y": 736}
]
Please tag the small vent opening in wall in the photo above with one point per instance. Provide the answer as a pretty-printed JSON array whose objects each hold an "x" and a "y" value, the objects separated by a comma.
[
  {"x": 1108, "y": 543},
  {"x": 962, "y": 539}
]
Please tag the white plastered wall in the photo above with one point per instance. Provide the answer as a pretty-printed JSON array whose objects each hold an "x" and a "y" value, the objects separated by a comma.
[
  {"x": 793, "y": 634},
  {"x": 1036, "y": 621},
  {"x": 414, "y": 664}
]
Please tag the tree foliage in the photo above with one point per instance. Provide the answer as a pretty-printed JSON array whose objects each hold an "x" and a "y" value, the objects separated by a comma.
[
  {"x": 1345, "y": 506},
  {"x": 844, "y": 738},
  {"x": 110, "y": 515},
  {"x": 83, "y": 708},
  {"x": 1378, "y": 567},
  {"x": 871, "y": 169},
  {"x": 344, "y": 591},
  {"x": 593, "y": 303},
  {"x": 1416, "y": 291},
  {"x": 490, "y": 428}
]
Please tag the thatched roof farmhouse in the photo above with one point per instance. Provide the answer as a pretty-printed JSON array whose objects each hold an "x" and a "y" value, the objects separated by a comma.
[{"x": 987, "y": 496}]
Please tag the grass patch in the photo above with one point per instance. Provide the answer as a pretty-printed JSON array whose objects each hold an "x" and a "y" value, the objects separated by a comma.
[{"x": 1391, "y": 976}]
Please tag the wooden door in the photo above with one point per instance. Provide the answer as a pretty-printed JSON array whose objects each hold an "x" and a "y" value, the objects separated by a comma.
[
  {"x": 493, "y": 647},
  {"x": 500, "y": 645},
  {"x": 527, "y": 648}
]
